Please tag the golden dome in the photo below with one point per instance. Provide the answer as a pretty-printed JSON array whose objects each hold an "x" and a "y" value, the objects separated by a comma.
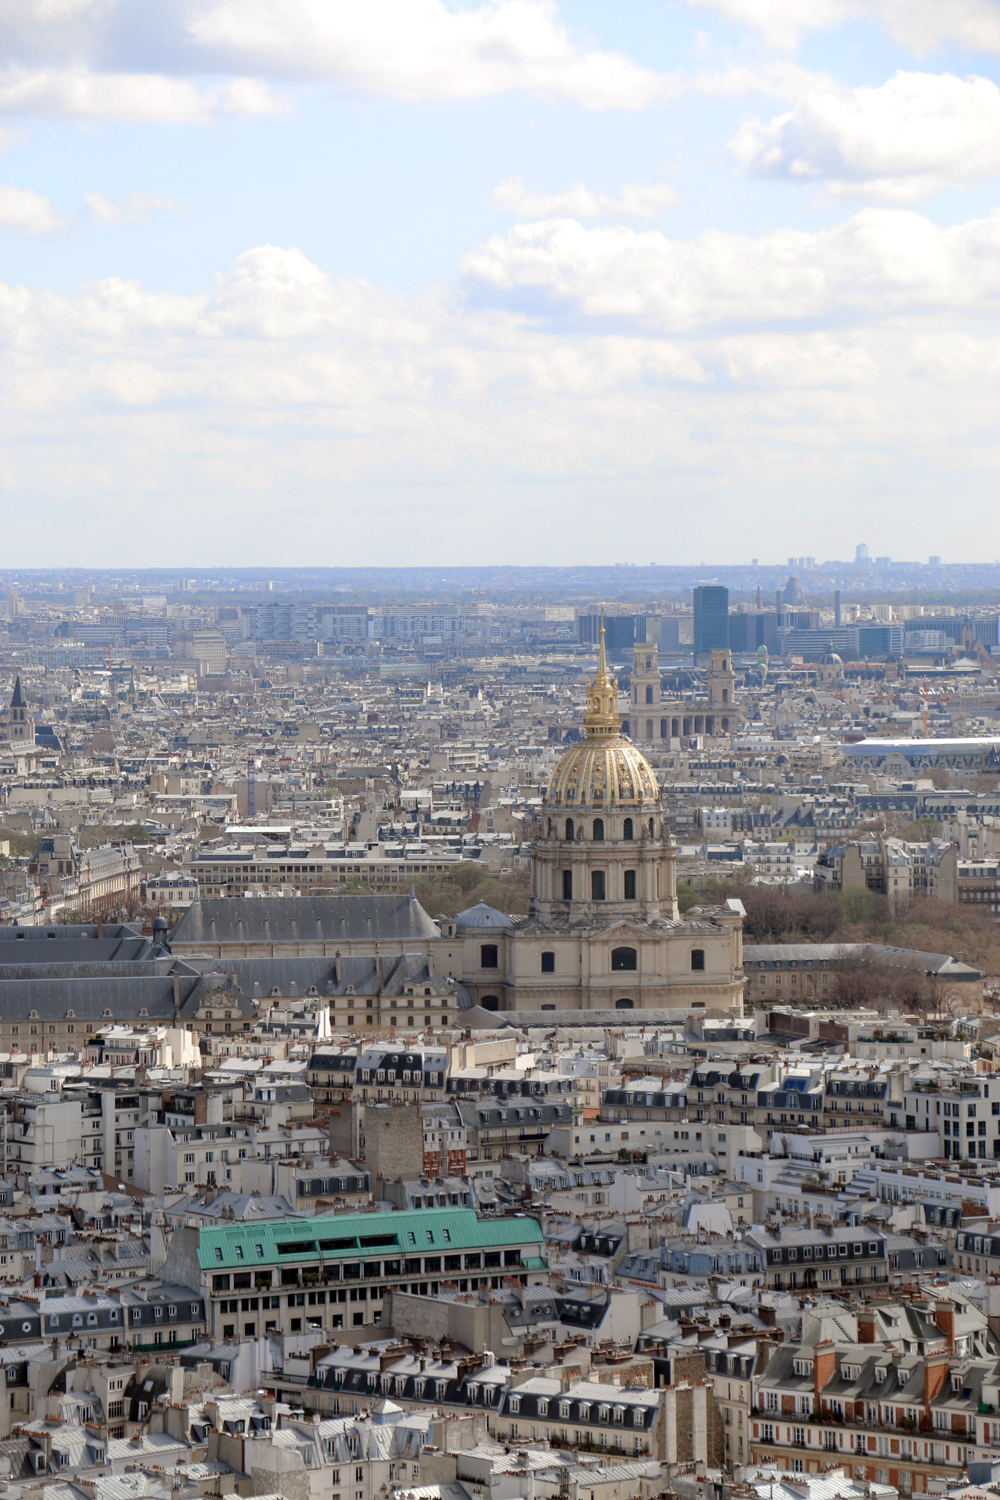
[{"x": 603, "y": 769}]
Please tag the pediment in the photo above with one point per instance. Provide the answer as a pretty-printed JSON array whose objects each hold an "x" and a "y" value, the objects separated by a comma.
[{"x": 623, "y": 929}]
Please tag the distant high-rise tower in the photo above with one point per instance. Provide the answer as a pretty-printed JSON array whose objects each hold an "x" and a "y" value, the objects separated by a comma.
[
  {"x": 861, "y": 553},
  {"x": 711, "y": 619}
]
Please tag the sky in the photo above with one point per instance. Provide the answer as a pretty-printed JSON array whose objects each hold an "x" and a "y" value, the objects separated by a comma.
[{"x": 441, "y": 281}]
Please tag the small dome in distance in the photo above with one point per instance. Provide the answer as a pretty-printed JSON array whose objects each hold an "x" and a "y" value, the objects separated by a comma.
[{"x": 482, "y": 915}]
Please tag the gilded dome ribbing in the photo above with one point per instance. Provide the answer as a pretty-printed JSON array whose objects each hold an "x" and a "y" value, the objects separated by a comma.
[{"x": 603, "y": 770}]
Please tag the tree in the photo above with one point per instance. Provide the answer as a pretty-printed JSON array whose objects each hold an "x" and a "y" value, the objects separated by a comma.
[{"x": 861, "y": 982}]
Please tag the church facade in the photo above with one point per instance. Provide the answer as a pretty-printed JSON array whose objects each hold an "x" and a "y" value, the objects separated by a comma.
[
  {"x": 604, "y": 932},
  {"x": 663, "y": 722}
]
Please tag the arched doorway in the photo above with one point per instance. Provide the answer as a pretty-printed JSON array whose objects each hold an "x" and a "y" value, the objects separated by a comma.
[{"x": 490, "y": 1002}]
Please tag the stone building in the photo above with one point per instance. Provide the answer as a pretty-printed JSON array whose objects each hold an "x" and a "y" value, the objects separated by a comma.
[
  {"x": 656, "y": 720},
  {"x": 604, "y": 931}
]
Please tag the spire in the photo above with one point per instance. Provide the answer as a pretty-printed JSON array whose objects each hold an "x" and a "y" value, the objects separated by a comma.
[
  {"x": 602, "y": 720},
  {"x": 602, "y": 658},
  {"x": 17, "y": 701}
]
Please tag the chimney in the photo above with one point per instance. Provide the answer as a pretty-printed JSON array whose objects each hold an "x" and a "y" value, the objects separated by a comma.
[
  {"x": 824, "y": 1367},
  {"x": 935, "y": 1375},
  {"x": 866, "y": 1328},
  {"x": 944, "y": 1317},
  {"x": 766, "y": 1315}
]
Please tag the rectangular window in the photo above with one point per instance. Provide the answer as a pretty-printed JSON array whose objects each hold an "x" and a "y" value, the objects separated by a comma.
[
  {"x": 488, "y": 956},
  {"x": 548, "y": 963},
  {"x": 597, "y": 885},
  {"x": 567, "y": 885},
  {"x": 629, "y": 885}
]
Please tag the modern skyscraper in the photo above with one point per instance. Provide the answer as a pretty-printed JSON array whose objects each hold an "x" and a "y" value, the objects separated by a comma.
[
  {"x": 861, "y": 554},
  {"x": 711, "y": 619}
]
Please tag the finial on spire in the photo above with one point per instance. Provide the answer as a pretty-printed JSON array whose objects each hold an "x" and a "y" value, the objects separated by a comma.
[{"x": 602, "y": 699}]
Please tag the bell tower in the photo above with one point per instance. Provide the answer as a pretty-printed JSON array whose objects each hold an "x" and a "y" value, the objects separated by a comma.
[
  {"x": 21, "y": 726},
  {"x": 646, "y": 693},
  {"x": 720, "y": 679}
]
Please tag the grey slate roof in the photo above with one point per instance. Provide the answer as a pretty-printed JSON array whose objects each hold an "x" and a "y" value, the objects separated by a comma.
[
  {"x": 302, "y": 919},
  {"x": 119, "y": 942},
  {"x": 814, "y": 954},
  {"x": 123, "y": 996}
]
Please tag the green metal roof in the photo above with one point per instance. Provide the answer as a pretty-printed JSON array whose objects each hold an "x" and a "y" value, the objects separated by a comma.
[{"x": 349, "y": 1236}]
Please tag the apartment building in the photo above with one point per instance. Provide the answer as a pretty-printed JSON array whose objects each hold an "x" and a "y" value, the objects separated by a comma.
[
  {"x": 445, "y": 1141},
  {"x": 496, "y": 1131},
  {"x": 855, "y": 1100},
  {"x": 964, "y": 1112},
  {"x": 828, "y": 1258},
  {"x": 906, "y": 1411},
  {"x": 898, "y": 869},
  {"x": 979, "y": 884}
]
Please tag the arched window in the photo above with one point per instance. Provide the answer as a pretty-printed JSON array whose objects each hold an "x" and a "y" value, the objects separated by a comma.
[
  {"x": 649, "y": 695},
  {"x": 624, "y": 958},
  {"x": 625, "y": 728},
  {"x": 570, "y": 830},
  {"x": 651, "y": 832},
  {"x": 598, "y": 830},
  {"x": 627, "y": 829},
  {"x": 698, "y": 959},
  {"x": 490, "y": 1002},
  {"x": 664, "y": 730},
  {"x": 624, "y": 1005}
]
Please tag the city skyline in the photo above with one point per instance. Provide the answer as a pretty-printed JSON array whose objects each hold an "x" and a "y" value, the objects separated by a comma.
[{"x": 381, "y": 278}]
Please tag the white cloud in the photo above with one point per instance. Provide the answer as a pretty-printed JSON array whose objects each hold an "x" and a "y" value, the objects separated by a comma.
[
  {"x": 915, "y": 135},
  {"x": 875, "y": 265},
  {"x": 920, "y": 25},
  {"x": 401, "y": 49},
  {"x": 79, "y": 93},
  {"x": 133, "y": 208},
  {"x": 634, "y": 200},
  {"x": 26, "y": 212},
  {"x": 101, "y": 60},
  {"x": 420, "y": 49},
  {"x": 315, "y": 405}
]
